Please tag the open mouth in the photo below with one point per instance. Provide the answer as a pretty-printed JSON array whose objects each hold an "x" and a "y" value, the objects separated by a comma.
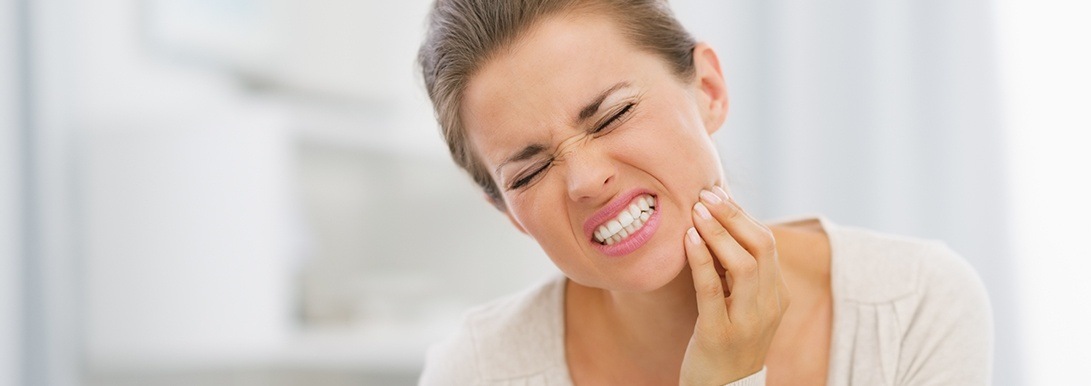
[{"x": 627, "y": 222}]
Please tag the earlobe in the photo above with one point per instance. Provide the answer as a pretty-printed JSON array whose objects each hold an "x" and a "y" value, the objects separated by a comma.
[{"x": 711, "y": 87}]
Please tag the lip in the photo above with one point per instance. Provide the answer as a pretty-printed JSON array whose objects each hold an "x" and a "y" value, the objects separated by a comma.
[
  {"x": 634, "y": 241},
  {"x": 610, "y": 211}
]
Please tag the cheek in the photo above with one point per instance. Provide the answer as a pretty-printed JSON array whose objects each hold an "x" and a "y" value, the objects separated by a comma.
[
  {"x": 539, "y": 210},
  {"x": 672, "y": 149}
]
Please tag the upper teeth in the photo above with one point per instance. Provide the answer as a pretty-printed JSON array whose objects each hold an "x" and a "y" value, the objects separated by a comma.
[{"x": 626, "y": 222}]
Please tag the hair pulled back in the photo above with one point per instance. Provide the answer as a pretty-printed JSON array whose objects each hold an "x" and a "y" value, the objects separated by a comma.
[{"x": 463, "y": 35}]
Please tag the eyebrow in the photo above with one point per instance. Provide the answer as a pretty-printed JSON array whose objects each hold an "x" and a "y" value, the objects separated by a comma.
[
  {"x": 523, "y": 155},
  {"x": 585, "y": 113}
]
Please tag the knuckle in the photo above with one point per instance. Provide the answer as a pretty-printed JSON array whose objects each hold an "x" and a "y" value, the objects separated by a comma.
[
  {"x": 766, "y": 241},
  {"x": 733, "y": 212},
  {"x": 705, "y": 262},
  {"x": 747, "y": 267},
  {"x": 710, "y": 289},
  {"x": 719, "y": 232}
]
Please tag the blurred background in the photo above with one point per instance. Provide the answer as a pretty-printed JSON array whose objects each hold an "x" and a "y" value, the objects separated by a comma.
[{"x": 247, "y": 192}]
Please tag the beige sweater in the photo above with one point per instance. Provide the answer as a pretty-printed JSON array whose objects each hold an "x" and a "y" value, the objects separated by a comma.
[{"x": 906, "y": 312}]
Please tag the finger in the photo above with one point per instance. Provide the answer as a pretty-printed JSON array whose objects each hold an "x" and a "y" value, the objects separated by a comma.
[
  {"x": 766, "y": 266},
  {"x": 739, "y": 264},
  {"x": 754, "y": 236},
  {"x": 750, "y": 233},
  {"x": 710, "y": 295}
]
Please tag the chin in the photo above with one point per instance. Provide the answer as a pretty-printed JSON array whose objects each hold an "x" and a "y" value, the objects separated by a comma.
[{"x": 654, "y": 274}]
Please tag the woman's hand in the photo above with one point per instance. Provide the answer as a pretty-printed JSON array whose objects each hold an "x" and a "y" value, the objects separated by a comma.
[{"x": 737, "y": 317}]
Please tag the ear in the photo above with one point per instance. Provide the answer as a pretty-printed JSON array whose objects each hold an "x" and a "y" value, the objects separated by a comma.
[
  {"x": 504, "y": 209},
  {"x": 710, "y": 86}
]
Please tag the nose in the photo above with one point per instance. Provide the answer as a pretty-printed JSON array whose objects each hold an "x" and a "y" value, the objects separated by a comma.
[{"x": 591, "y": 173}]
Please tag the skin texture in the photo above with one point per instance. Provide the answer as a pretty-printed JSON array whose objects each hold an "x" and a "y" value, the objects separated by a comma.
[
  {"x": 669, "y": 312},
  {"x": 533, "y": 94}
]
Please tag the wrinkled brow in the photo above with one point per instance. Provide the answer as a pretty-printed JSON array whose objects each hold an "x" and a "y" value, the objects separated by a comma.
[
  {"x": 592, "y": 107},
  {"x": 585, "y": 113},
  {"x": 522, "y": 155}
]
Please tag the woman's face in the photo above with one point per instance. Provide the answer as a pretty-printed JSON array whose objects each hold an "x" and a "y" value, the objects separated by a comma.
[{"x": 576, "y": 126}]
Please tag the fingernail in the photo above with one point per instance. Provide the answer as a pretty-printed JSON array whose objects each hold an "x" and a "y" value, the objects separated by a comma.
[
  {"x": 710, "y": 197},
  {"x": 702, "y": 211},
  {"x": 693, "y": 236},
  {"x": 722, "y": 192}
]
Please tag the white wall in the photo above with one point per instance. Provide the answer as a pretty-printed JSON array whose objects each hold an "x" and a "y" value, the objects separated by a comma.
[
  {"x": 184, "y": 193},
  {"x": 10, "y": 243},
  {"x": 878, "y": 114},
  {"x": 188, "y": 247}
]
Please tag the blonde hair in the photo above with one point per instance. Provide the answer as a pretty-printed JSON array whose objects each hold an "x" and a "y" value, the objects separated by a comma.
[{"x": 463, "y": 34}]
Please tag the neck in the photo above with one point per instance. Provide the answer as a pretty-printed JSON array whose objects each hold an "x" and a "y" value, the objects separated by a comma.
[{"x": 653, "y": 326}]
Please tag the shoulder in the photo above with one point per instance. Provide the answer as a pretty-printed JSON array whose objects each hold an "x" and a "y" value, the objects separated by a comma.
[
  {"x": 510, "y": 337},
  {"x": 875, "y": 267},
  {"x": 928, "y": 301}
]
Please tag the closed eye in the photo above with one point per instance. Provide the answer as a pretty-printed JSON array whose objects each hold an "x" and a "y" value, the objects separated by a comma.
[
  {"x": 538, "y": 171},
  {"x": 615, "y": 118},
  {"x": 528, "y": 178}
]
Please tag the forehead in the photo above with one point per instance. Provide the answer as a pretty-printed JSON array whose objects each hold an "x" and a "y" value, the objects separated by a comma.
[{"x": 537, "y": 87}]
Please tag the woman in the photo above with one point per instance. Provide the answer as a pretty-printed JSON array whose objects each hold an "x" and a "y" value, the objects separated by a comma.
[{"x": 588, "y": 124}]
